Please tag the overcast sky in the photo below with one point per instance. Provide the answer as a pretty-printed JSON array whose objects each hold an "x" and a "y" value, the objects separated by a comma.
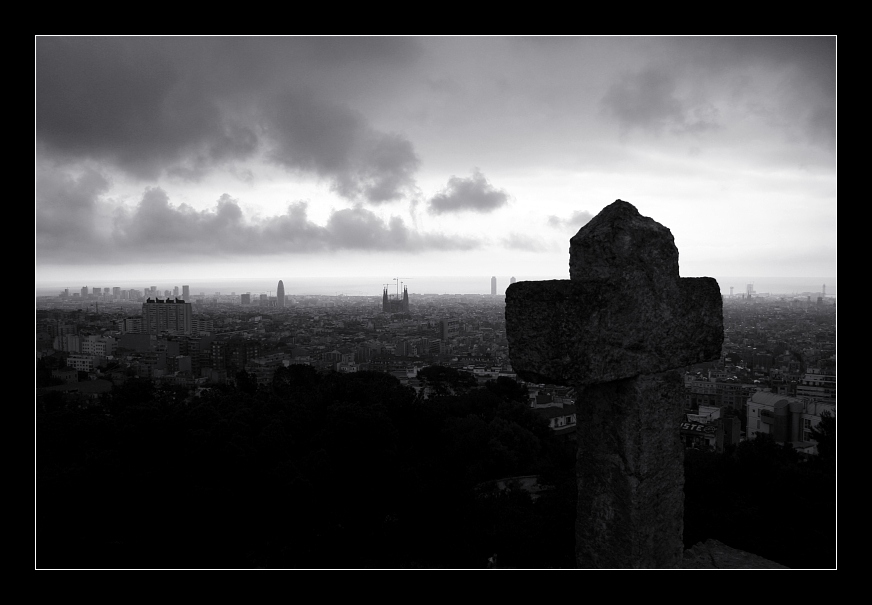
[{"x": 187, "y": 158}]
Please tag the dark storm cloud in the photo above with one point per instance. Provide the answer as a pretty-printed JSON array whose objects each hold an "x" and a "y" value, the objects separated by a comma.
[
  {"x": 806, "y": 68},
  {"x": 352, "y": 53},
  {"x": 474, "y": 194},
  {"x": 185, "y": 106},
  {"x": 360, "y": 229},
  {"x": 648, "y": 100},
  {"x": 336, "y": 143},
  {"x": 156, "y": 225},
  {"x": 66, "y": 211},
  {"x": 576, "y": 220},
  {"x": 814, "y": 56},
  {"x": 129, "y": 101},
  {"x": 159, "y": 229},
  {"x": 687, "y": 83}
]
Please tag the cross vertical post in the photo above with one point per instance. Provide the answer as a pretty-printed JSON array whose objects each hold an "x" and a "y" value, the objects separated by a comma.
[{"x": 614, "y": 330}]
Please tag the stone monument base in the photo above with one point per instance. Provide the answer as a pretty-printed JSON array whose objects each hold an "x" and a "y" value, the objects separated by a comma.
[{"x": 712, "y": 554}]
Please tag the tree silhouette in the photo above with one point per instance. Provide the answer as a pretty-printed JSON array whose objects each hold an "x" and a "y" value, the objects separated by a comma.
[
  {"x": 318, "y": 470},
  {"x": 825, "y": 435}
]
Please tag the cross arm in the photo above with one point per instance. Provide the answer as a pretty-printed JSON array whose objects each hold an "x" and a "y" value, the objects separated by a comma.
[{"x": 592, "y": 331}]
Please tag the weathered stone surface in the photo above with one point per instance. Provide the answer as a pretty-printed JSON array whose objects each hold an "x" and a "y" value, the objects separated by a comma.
[
  {"x": 624, "y": 312},
  {"x": 630, "y": 473},
  {"x": 712, "y": 554},
  {"x": 588, "y": 331},
  {"x": 624, "y": 317},
  {"x": 621, "y": 245}
]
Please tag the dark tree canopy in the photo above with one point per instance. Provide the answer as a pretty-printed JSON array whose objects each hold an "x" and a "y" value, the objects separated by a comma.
[
  {"x": 825, "y": 435},
  {"x": 335, "y": 470},
  {"x": 728, "y": 495},
  {"x": 311, "y": 470}
]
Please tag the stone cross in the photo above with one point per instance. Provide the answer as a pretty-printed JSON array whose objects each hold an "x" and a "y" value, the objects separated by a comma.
[{"x": 613, "y": 330}]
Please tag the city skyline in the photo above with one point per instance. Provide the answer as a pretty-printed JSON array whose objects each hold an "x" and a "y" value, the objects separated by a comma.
[
  {"x": 296, "y": 158},
  {"x": 373, "y": 287}
]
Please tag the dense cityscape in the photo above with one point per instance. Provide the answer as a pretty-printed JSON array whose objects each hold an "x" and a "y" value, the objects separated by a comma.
[
  {"x": 778, "y": 344},
  {"x": 774, "y": 382}
]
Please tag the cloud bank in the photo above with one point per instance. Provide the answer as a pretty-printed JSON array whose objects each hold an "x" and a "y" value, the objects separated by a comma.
[
  {"x": 473, "y": 194},
  {"x": 155, "y": 229}
]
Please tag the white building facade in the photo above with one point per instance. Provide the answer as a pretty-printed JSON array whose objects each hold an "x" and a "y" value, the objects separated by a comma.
[{"x": 787, "y": 419}]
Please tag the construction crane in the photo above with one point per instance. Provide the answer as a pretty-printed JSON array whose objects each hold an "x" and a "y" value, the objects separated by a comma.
[{"x": 401, "y": 278}]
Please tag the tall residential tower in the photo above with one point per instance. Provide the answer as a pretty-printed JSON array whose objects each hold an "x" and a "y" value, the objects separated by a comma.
[{"x": 166, "y": 315}]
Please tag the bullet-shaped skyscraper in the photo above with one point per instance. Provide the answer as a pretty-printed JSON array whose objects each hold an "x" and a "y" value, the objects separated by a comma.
[
  {"x": 494, "y": 285},
  {"x": 280, "y": 295}
]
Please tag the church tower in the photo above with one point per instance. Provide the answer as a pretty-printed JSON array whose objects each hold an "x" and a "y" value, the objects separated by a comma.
[
  {"x": 385, "y": 308},
  {"x": 405, "y": 299}
]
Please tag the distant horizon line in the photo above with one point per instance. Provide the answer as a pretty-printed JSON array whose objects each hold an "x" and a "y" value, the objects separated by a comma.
[
  {"x": 449, "y": 276},
  {"x": 438, "y": 284}
]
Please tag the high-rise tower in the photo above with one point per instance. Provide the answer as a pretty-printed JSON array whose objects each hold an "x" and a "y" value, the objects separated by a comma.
[
  {"x": 280, "y": 295},
  {"x": 186, "y": 293},
  {"x": 494, "y": 285},
  {"x": 511, "y": 281}
]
